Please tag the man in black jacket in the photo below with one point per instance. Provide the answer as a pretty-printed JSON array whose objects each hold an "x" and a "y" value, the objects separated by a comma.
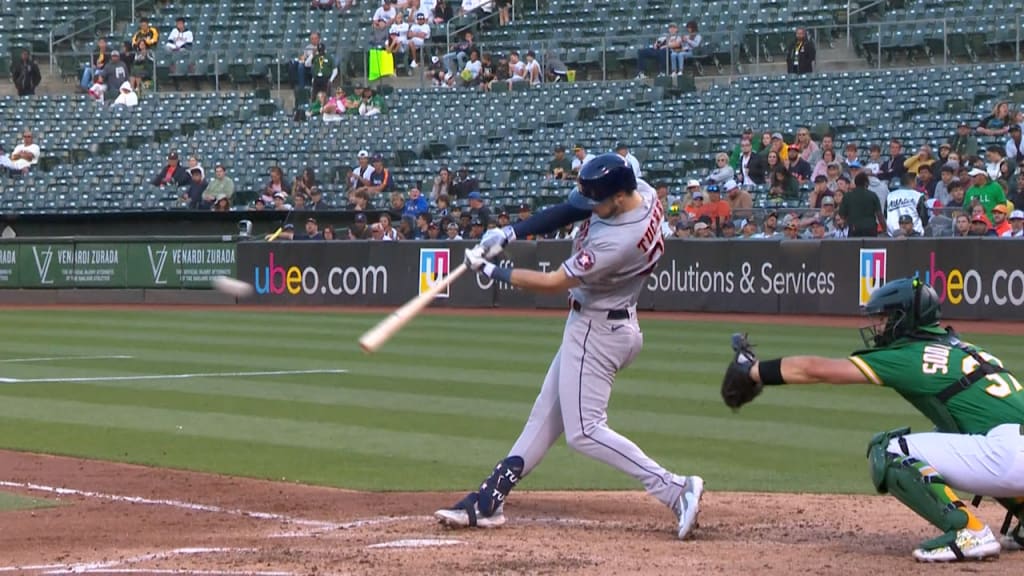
[
  {"x": 894, "y": 168},
  {"x": 25, "y": 74},
  {"x": 801, "y": 54},
  {"x": 173, "y": 174}
]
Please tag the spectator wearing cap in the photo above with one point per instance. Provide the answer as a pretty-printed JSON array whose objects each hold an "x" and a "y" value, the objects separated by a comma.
[
  {"x": 939, "y": 225},
  {"x": 258, "y": 205},
  {"x": 172, "y": 174},
  {"x": 816, "y": 230},
  {"x": 791, "y": 228},
  {"x": 999, "y": 221},
  {"x": 281, "y": 202},
  {"x": 580, "y": 158},
  {"x": 478, "y": 209},
  {"x": 905, "y": 200},
  {"x": 984, "y": 191},
  {"x": 981, "y": 226},
  {"x": 695, "y": 207},
  {"x": 740, "y": 201},
  {"x": 941, "y": 189},
  {"x": 723, "y": 171},
  {"x": 622, "y": 149},
  {"x": 827, "y": 213},
  {"x": 419, "y": 34},
  {"x": 503, "y": 219},
  {"x": 702, "y": 230},
  {"x": 748, "y": 229},
  {"x": 673, "y": 215},
  {"x": 779, "y": 146},
  {"x": 1016, "y": 225},
  {"x": 906, "y": 228},
  {"x": 819, "y": 192},
  {"x": 380, "y": 179},
  {"x": 799, "y": 167},
  {"x": 728, "y": 229},
  {"x": 862, "y": 210},
  {"x": 560, "y": 167},
  {"x": 768, "y": 227},
  {"x": 193, "y": 196},
  {"x": 715, "y": 209},
  {"x": 944, "y": 150},
  {"x": 221, "y": 185},
  {"x": 311, "y": 231},
  {"x": 115, "y": 72},
  {"x": 451, "y": 231},
  {"x": 476, "y": 228},
  {"x": 464, "y": 182},
  {"x": 682, "y": 229},
  {"x": 692, "y": 187},
  {"x": 415, "y": 203},
  {"x": 359, "y": 230},
  {"x": 524, "y": 212},
  {"x": 964, "y": 143}
]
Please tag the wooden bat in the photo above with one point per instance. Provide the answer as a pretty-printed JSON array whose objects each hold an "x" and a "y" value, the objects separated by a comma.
[{"x": 375, "y": 337}]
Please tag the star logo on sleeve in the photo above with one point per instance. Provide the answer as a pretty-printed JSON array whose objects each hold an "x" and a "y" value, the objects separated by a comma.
[{"x": 585, "y": 260}]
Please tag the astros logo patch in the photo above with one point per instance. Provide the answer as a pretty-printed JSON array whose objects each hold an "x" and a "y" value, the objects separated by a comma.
[
  {"x": 585, "y": 260},
  {"x": 434, "y": 267},
  {"x": 872, "y": 272}
]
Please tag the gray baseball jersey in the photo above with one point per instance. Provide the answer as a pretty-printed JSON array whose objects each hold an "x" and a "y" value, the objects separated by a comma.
[{"x": 612, "y": 259}]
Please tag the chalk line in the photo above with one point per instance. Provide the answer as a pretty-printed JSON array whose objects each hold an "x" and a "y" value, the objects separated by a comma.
[
  {"x": 104, "y": 566},
  {"x": 349, "y": 526},
  {"x": 189, "y": 571},
  {"x": 417, "y": 543},
  {"x": 58, "y": 358},
  {"x": 172, "y": 504},
  {"x": 172, "y": 376}
]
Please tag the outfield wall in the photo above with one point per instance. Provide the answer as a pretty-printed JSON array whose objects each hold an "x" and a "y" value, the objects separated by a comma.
[{"x": 976, "y": 278}]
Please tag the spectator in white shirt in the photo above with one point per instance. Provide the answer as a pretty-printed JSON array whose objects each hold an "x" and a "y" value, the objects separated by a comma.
[
  {"x": 25, "y": 155},
  {"x": 533, "y": 71},
  {"x": 418, "y": 34},
  {"x": 516, "y": 68},
  {"x": 690, "y": 42},
  {"x": 580, "y": 157},
  {"x": 127, "y": 98},
  {"x": 383, "y": 18},
  {"x": 476, "y": 8},
  {"x": 180, "y": 38},
  {"x": 1015, "y": 145},
  {"x": 400, "y": 27},
  {"x": 623, "y": 150},
  {"x": 473, "y": 67}
]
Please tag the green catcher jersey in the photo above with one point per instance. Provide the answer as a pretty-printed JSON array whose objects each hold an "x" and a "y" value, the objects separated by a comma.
[{"x": 920, "y": 369}]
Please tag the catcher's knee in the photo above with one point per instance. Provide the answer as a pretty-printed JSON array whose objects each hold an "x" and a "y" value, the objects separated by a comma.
[
  {"x": 880, "y": 457},
  {"x": 496, "y": 488}
]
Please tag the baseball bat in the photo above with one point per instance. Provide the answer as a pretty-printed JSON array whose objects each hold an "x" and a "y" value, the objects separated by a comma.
[
  {"x": 280, "y": 229},
  {"x": 375, "y": 337}
]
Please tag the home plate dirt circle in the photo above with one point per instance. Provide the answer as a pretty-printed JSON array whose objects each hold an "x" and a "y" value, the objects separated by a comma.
[{"x": 417, "y": 543}]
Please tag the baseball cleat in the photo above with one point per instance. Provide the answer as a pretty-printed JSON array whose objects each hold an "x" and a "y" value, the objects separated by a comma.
[
  {"x": 687, "y": 508},
  {"x": 969, "y": 545},
  {"x": 468, "y": 517}
]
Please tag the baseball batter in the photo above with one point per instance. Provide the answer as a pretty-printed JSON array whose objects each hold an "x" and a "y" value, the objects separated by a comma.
[
  {"x": 614, "y": 253},
  {"x": 976, "y": 404}
]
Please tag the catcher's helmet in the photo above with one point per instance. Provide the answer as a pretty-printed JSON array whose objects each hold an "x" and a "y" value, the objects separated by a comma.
[
  {"x": 908, "y": 305},
  {"x": 600, "y": 179}
]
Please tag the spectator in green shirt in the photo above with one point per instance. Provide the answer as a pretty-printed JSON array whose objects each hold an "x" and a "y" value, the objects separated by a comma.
[
  {"x": 221, "y": 185},
  {"x": 862, "y": 210},
  {"x": 984, "y": 191}
]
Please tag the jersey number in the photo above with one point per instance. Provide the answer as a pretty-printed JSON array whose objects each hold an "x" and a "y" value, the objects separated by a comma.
[{"x": 1002, "y": 384}]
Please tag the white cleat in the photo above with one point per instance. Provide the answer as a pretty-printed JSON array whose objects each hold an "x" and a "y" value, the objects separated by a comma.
[
  {"x": 687, "y": 508},
  {"x": 972, "y": 546},
  {"x": 461, "y": 518}
]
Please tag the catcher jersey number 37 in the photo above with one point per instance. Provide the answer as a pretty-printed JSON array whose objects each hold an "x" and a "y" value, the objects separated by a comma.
[{"x": 919, "y": 370}]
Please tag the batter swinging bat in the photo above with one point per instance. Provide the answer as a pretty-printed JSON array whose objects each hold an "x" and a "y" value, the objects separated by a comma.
[{"x": 375, "y": 337}]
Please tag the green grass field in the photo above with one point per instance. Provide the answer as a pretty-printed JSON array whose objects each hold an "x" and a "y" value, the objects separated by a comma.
[
  {"x": 9, "y": 502},
  {"x": 433, "y": 411}
]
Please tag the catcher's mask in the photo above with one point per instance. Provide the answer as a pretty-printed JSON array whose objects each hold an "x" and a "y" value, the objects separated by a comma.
[{"x": 899, "y": 309}]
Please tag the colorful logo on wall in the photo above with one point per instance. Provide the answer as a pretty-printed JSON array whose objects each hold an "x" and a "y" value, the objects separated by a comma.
[
  {"x": 872, "y": 272},
  {"x": 434, "y": 267}
]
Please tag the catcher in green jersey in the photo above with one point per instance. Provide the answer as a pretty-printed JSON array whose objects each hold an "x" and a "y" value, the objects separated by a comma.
[{"x": 976, "y": 404}]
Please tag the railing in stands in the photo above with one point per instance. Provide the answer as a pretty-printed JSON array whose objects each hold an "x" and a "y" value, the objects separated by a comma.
[{"x": 95, "y": 18}]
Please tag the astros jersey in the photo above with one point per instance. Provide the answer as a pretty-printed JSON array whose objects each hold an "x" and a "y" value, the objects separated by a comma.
[
  {"x": 919, "y": 370},
  {"x": 612, "y": 258}
]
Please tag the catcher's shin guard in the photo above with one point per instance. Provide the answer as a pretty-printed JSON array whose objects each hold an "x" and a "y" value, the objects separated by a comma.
[
  {"x": 1014, "y": 511},
  {"x": 497, "y": 486},
  {"x": 921, "y": 488}
]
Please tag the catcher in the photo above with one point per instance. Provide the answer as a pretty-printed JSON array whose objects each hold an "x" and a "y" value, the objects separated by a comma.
[{"x": 976, "y": 404}]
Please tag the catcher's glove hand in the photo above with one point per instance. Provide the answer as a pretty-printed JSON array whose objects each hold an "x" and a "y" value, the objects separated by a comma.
[{"x": 738, "y": 387}]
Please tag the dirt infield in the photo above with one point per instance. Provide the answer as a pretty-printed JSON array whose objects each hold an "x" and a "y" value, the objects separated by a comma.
[{"x": 123, "y": 519}]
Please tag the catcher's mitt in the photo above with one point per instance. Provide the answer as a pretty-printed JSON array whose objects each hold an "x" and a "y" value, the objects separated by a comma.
[{"x": 738, "y": 387}]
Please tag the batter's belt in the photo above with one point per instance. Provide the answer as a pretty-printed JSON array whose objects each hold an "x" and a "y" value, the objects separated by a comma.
[{"x": 621, "y": 314}]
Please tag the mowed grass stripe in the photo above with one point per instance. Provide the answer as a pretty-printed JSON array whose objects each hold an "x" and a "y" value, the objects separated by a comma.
[{"x": 449, "y": 392}]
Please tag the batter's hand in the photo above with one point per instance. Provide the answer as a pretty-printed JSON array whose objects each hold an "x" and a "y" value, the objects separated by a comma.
[
  {"x": 738, "y": 388},
  {"x": 475, "y": 259},
  {"x": 494, "y": 241}
]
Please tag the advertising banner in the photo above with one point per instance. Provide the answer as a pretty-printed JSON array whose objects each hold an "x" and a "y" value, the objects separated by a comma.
[{"x": 179, "y": 265}]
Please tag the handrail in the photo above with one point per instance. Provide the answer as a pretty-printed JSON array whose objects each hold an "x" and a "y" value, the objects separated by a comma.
[
  {"x": 849, "y": 13},
  {"x": 448, "y": 28},
  {"x": 74, "y": 32}
]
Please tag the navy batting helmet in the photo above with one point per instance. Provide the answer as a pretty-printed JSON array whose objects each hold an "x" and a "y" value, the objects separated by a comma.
[{"x": 600, "y": 179}]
